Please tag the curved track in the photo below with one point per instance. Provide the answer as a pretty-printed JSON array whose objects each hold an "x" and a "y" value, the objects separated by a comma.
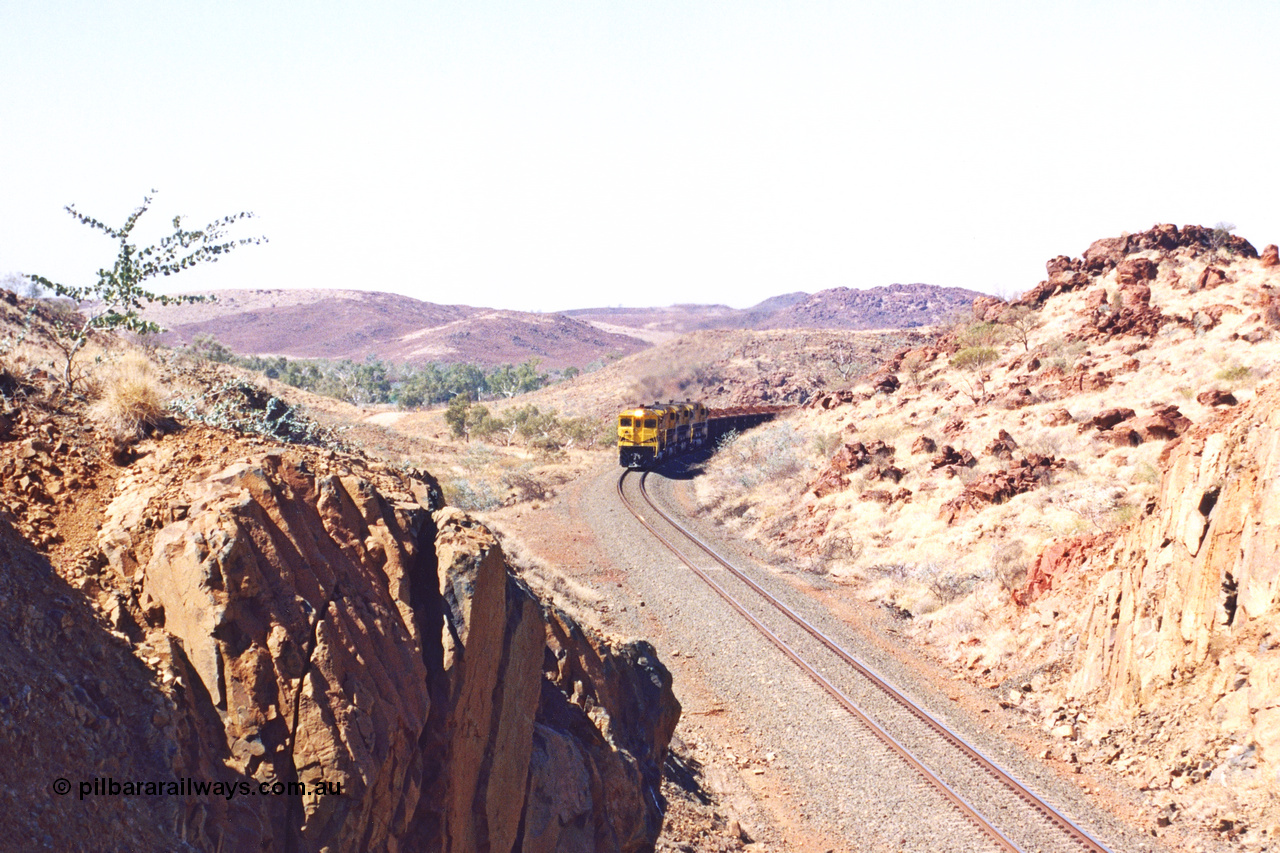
[{"x": 1065, "y": 829}]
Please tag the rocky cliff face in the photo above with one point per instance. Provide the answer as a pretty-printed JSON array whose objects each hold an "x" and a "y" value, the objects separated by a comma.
[
  {"x": 1188, "y": 614},
  {"x": 322, "y": 620}
]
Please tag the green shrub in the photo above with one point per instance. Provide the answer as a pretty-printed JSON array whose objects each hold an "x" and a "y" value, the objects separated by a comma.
[
  {"x": 975, "y": 358},
  {"x": 982, "y": 335},
  {"x": 1235, "y": 373}
]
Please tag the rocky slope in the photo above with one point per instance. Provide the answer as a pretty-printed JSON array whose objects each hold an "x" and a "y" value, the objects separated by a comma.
[
  {"x": 1071, "y": 500},
  {"x": 895, "y": 306},
  {"x": 206, "y": 606}
]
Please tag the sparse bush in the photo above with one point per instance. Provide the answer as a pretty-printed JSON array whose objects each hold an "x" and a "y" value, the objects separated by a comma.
[
  {"x": 132, "y": 404},
  {"x": 913, "y": 365},
  {"x": 473, "y": 497},
  {"x": 525, "y": 487},
  {"x": 1125, "y": 514},
  {"x": 951, "y": 587},
  {"x": 982, "y": 335},
  {"x": 973, "y": 361},
  {"x": 13, "y": 340},
  {"x": 208, "y": 348},
  {"x": 1046, "y": 444},
  {"x": 1009, "y": 565},
  {"x": 844, "y": 360},
  {"x": 825, "y": 444},
  {"x": 240, "y": 406},
  {"x": 974, "y": 358},
  {"x": 1234, "y": 374},
  {"x": 1221, "y": 236}
]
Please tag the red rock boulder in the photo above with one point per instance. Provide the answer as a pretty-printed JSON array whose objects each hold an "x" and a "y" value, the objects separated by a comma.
[
  {"x": 1216, "y": 397},
  {"x": 987, "y": 309},
  {"x": 1108, "y": 418},
  {"x": 1103, "y": 255},
  {"x": 923, "y": 444},
  {"x": 1002, "y": 446},
  {"x": 1136, "y": 270},
  {"x": 1056, "y": 561},
  {"x": 1211, "y": 277}
]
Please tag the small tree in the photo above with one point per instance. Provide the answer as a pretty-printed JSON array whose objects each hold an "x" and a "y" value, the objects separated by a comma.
[
  {"x": 914, "y": 364},
  {"x": 843, "y": 360},
  {"x": 465, "y": 418},
  {"x": 117, "y": 299},
  {"x": 1021, "y": 321},
  {"x": 974, "y": 361},
  {"x": 1220, "y": 236}
]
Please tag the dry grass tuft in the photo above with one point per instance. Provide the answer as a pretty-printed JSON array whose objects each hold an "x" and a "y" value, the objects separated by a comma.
[{"x": 132, "y": 402}]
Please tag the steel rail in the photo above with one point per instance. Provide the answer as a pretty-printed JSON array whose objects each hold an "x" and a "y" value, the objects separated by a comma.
[
  {"x": 1055, "y": 817},
  {"x": 942, "y": 787},
  {"x": 1024, "y": 793}
]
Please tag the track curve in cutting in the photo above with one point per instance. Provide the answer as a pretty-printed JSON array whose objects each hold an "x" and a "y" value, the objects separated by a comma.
[{"x": 1081, "y": 839}]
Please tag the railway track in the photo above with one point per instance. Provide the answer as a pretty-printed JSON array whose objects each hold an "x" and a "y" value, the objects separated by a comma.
[{"x": 758, "y": 605}]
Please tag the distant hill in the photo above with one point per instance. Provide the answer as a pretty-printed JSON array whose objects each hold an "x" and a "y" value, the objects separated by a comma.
[
  {"x": 338, "y": 324},
  {"x": 895, "y": 306}
]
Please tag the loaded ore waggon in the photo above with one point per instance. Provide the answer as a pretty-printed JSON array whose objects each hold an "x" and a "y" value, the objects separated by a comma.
[{"x": 649, "y": 435}]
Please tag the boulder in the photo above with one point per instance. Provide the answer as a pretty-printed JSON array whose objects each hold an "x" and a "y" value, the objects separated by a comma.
[
  {"x": 1108, "y": 418},
  {"x": 1061, "y": 264},
  {"x": 923, "y": 444},
  {"x": 1270, "y": 257},
  {"x": 1062, "y": 282},
  {"x": 885, "y": 383},
  {"x": 1165, "y": 423},
  {"x": 1135, "y": 295},
  {"x": 1058, "y": 417},
  {"x": 949, "y": 456},
  {"x": 1136, "y": 270},
  {"x": 1211, "y": 277},
  {"x": 1216, "y": 397},
  {"x": 1002, "y": 446},
  {"x": 1103, "y": 255},
  {"x": 987, "y": 309},
  {"x": 1000, "y": 486},
  {"x": 1059, "y": 558}
]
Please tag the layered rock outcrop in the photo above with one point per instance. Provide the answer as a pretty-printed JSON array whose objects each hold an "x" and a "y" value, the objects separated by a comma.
[
  {"x": 336, "y": 626},
  {"x": 1190, "y": 609}
]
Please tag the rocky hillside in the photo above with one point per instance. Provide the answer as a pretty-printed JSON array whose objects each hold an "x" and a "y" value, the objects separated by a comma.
[
  {"x": 896, "y": 306},
  {"x": 725, "y": 368},
  {"x": 1071, "y": 499},
  {"x": 353, "y": 665},
  {"x": 337, "y": 324}
]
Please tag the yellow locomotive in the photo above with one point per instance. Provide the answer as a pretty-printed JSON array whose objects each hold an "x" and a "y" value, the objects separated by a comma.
[{"x": 648, "y": 435}]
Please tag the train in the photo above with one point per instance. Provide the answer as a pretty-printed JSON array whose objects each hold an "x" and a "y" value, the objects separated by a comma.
[{"x": 651, "y": 434}]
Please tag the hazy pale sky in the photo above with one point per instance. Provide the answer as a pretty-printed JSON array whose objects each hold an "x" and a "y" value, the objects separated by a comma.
[{"x": 560, "y": 154}]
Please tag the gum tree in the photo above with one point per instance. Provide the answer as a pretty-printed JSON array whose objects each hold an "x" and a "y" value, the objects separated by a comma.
[{"x": 115, "y": 301}]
